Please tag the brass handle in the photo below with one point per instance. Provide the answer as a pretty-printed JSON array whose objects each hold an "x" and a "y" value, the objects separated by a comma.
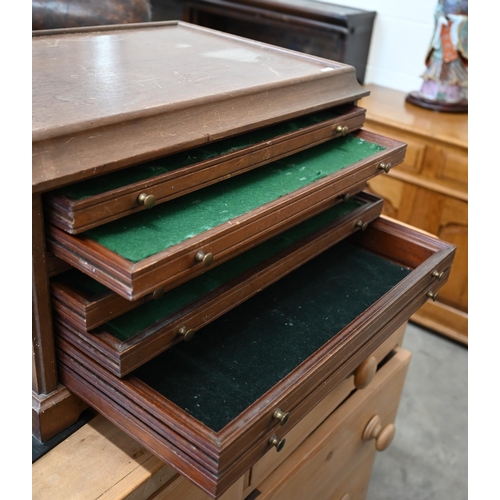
[
  {"x": 437, "y": 274},
  {"x": 362, "y": 225},
  {"x": 383, "y": 435},
  {"x": 187, "y": 333},
  {"x": 432, "y": 295},
  {"x": 281, "y": 417},
  {"x": 385, "y": 167},
  {"x": 205, "y": 258},
  {"x": 277, "y": 443},
  {"x": 146, "y": 200},
  {"x": 365, "y": 372},
  {"x": 342, "y": 129},
  {"x": 158, "y": 293}
]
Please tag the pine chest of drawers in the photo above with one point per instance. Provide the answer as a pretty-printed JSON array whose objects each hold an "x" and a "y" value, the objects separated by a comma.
[{"x": 195, "y": 186}]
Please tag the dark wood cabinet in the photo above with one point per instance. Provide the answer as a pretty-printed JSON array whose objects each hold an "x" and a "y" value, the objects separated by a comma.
[
  {"x": 207, "y": 266},
  {"x": 322, "y": 29}
]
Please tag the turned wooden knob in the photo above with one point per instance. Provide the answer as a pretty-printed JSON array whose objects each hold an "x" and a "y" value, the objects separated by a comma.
[
  {"x": 365, "y": 372},
  {"x": 205, "y": 258},
  {"x": 383, "y": 435},
  {"x": 146, "y": 200}
]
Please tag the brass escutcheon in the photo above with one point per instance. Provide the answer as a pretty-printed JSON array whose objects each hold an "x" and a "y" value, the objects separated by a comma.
[
  {"x": 186, "y": 333},
  {"x": 277, "y": 443},
  {"x": 146, "y": 200},
  {"x": 205, "y": 258},
  {"x": 385, "y": 167},
  {"x": 281, "y": 416}
]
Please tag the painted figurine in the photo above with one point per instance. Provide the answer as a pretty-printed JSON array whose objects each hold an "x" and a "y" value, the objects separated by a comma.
[{"x": 445, "y": 86}]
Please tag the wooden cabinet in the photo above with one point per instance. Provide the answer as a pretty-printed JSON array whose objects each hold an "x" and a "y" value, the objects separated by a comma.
[
  {"x": 218, "y": 193},
  {"x": 322, "y": 29},
  {"x": 324, "y": 453},
  {"x": 429, "y": 191}
]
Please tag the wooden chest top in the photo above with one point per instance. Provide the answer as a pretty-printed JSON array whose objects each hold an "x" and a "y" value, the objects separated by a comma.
[{"x": 106, "y": 98}]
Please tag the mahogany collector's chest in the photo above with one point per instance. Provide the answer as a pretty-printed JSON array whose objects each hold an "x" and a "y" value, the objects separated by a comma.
[{"x": 208, "y": 272}]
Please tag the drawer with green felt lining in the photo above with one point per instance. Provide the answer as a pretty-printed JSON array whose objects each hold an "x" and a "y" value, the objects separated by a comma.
[
  {"x": 206, "y": 406},
  {"x": 132, "y": 338},
  {"x": 180, "y": 239},
  {"x": 82, "y": 206}
]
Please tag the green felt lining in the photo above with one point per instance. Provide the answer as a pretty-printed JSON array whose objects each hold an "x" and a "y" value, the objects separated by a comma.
[
  {"x": 153, "y": 168},
  {"x": 134, "y": 322},
  {"x": 234, "y": 360},
  {"x": 147, "y": 233}
]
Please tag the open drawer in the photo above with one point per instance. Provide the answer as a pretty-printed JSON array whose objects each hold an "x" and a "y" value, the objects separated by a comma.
[
  {"x": 155, "y": 250},
  {"x": 82, "y": 206},
  {"x": 212, "y": 407},
  {"x": 144, "y": 328}
]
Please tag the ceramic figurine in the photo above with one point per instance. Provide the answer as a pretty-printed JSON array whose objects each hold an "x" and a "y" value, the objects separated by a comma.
[{"x": 445, "y": 85}]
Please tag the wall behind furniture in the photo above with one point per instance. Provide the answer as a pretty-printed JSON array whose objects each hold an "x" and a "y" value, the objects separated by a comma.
[{"x": 401, "y": 36}]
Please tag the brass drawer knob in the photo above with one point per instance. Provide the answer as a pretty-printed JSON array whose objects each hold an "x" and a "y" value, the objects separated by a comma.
[
  {"x": 365, "y": 372},
  {"x": 342, "y": 129},
  {"x": 383, "y": 435},
  {"x": 281, "y": 417},
  {"x": 346, "y": 197},
  {"x": 205, "y": 258},
  {"x": 432, "y": 295},
  {"x": 362, "y": 225},
  {"x": 385, "y": 167},
  {"x": 146, "y": 200},
  {"x": 186, "y": 333},
  {"x": 277, "y": 443},
  {"x": 437, "y": 274}
]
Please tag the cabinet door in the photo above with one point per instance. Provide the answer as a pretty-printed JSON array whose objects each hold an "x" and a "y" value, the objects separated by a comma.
[
  {"x": 441, "y": 215},
  {"x": 322, "y": 468}
]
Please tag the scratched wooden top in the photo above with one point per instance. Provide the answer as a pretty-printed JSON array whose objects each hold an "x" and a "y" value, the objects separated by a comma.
[{"x": 108, "y": 97}]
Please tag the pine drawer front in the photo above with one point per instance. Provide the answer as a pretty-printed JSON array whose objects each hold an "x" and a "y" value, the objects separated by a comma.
[
  {"x": 173, "y": 258},
  {"x": 186, "y": 439},
  {"x": 89, "y": 204},
  {"x": 335, "y": 461},
  {"x": 121, "y": 347}
]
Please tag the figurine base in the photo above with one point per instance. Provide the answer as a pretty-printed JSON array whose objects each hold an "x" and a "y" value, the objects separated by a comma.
[{"x": 455, "y": 107}]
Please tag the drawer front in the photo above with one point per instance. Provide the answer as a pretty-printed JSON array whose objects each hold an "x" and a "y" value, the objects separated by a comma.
[
  {"x": 170, "y": 244},
  {"x": 215, "y": 453},
  {"x": 336, "y": 459},
  {"x": 89, "y": 204},
  {"x": 128, "y": 342}
]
